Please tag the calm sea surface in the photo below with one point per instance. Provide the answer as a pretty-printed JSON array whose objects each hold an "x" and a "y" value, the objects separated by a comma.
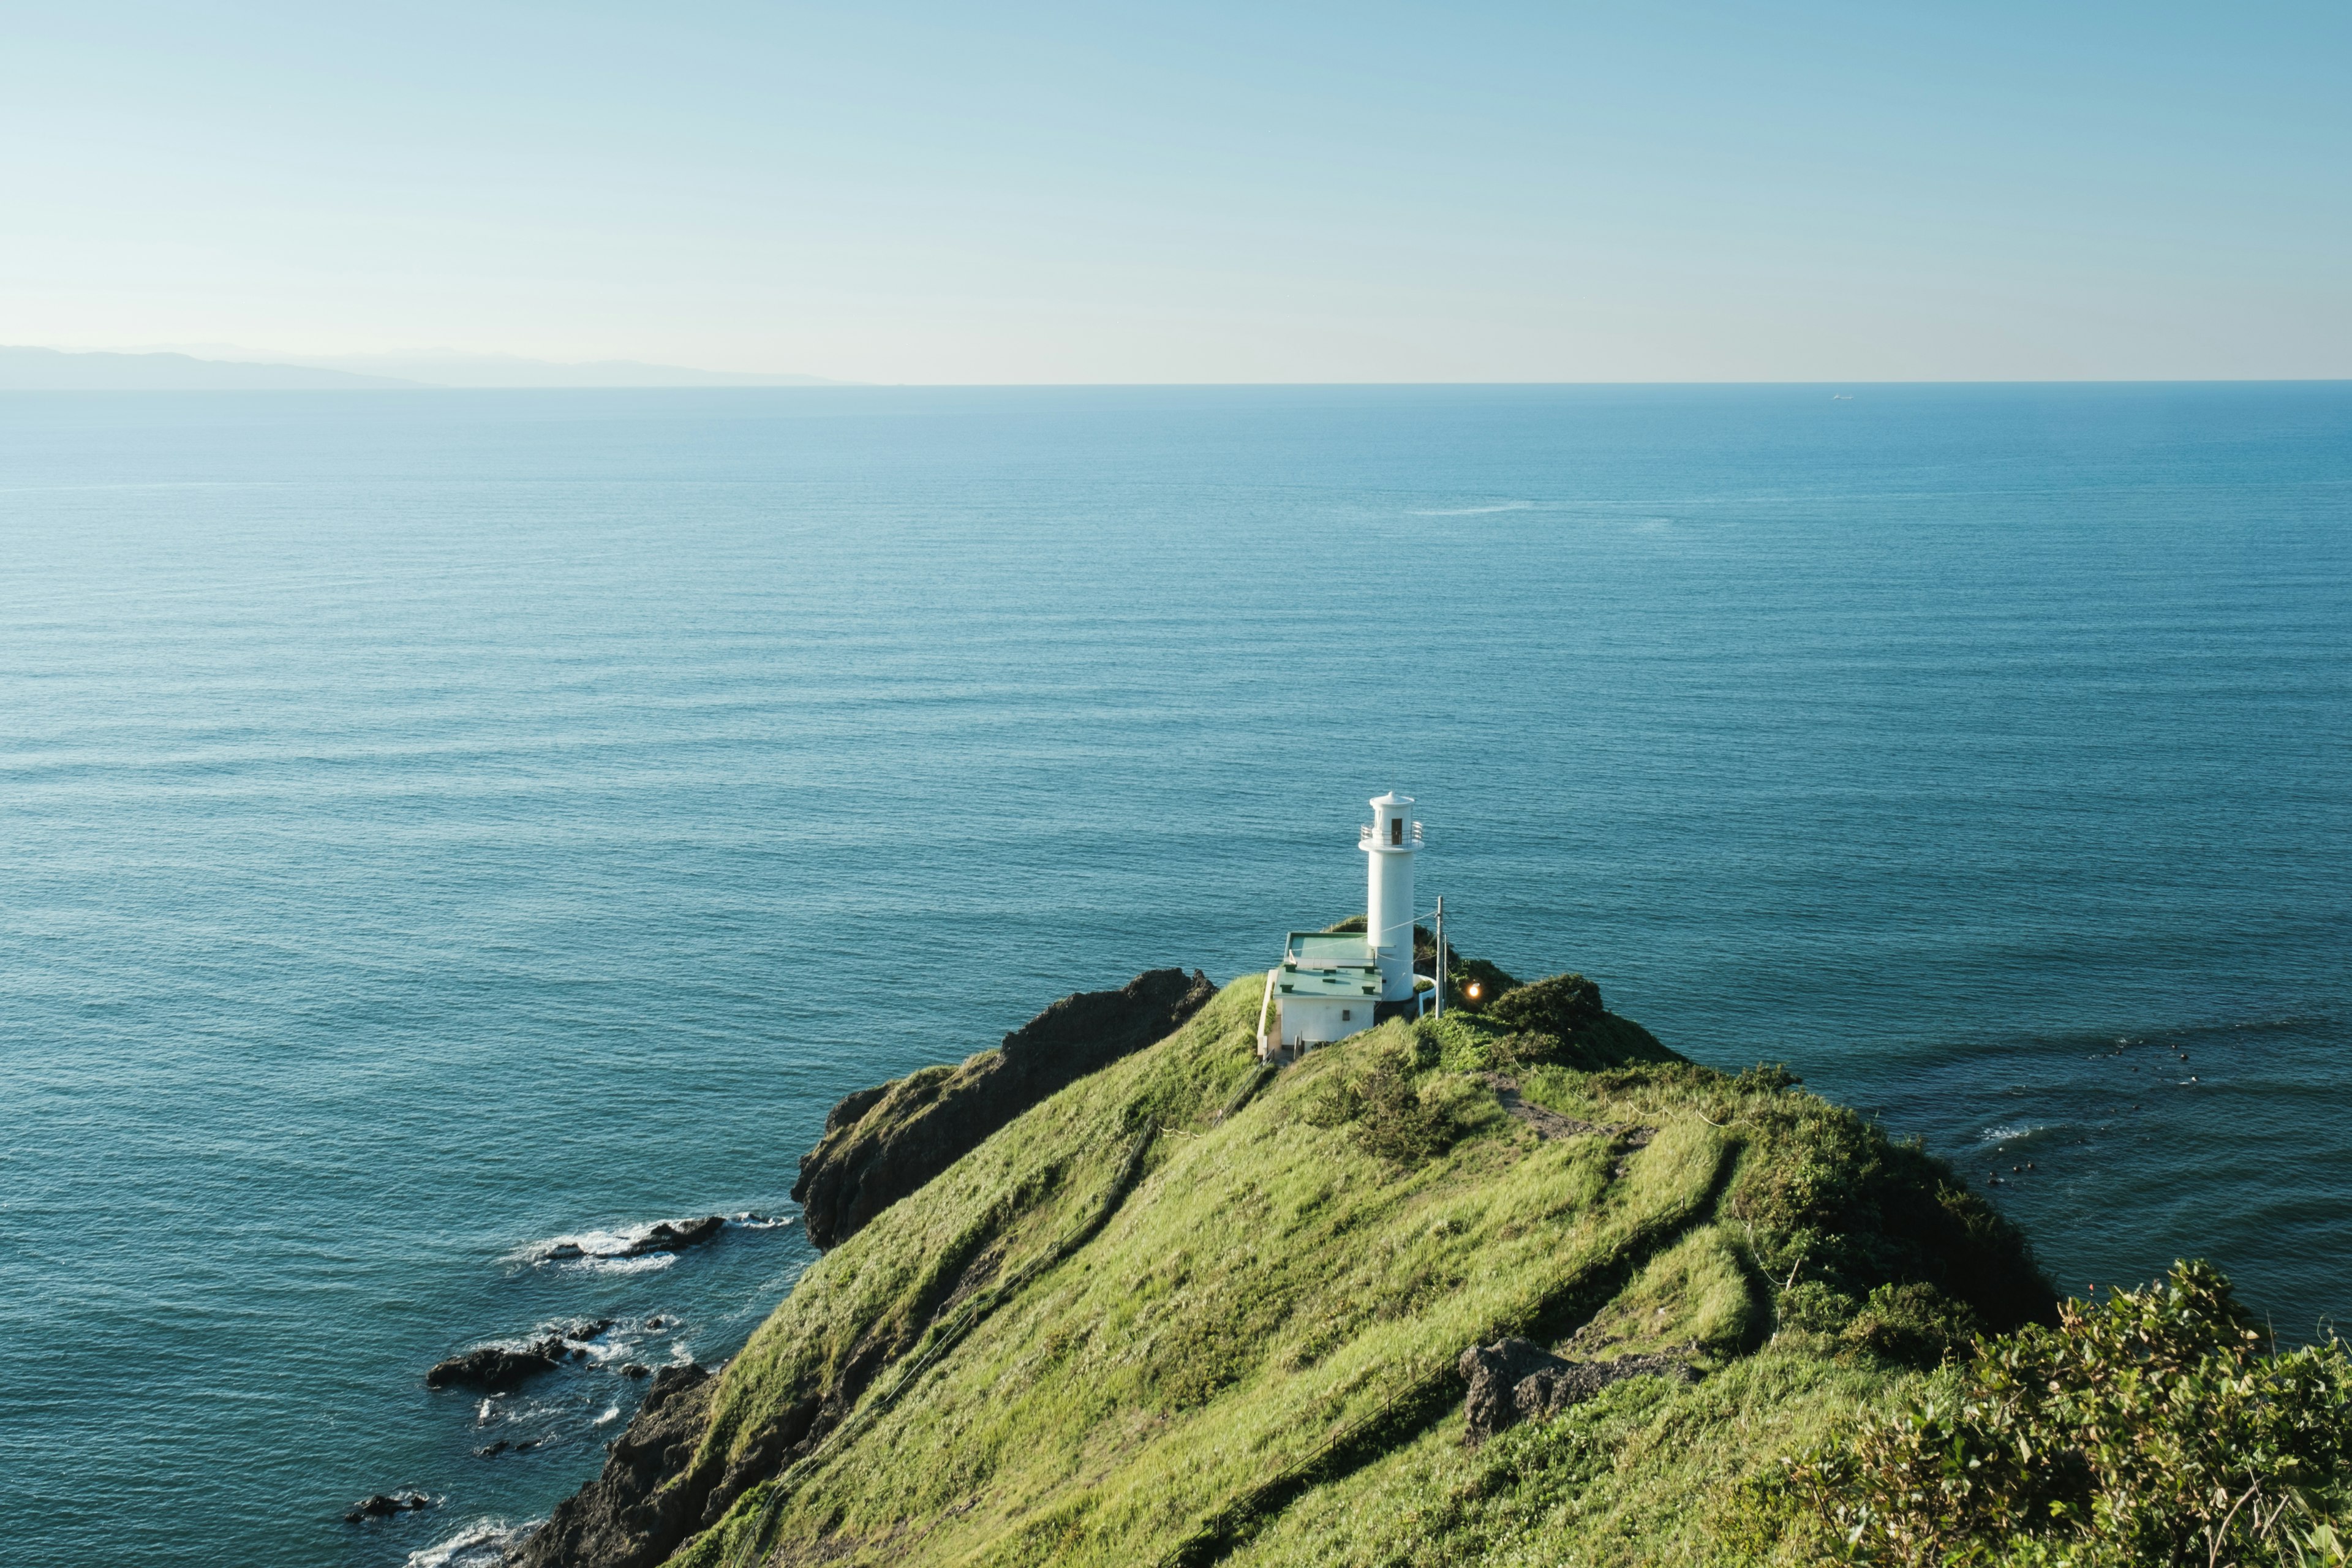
[{"x": 432, "y": 824}]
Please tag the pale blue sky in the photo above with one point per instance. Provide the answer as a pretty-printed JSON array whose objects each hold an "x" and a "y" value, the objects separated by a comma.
[{"x": 1204, "y": 193}]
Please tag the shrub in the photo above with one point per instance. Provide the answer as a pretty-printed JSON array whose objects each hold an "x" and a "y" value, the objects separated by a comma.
[
  {"x": 1827, "y": 1197},
  {"x": 2158, "y": 1426},
  {"x": 1767, "y": 1077},
  {"x": 1558, "y": 1006},
  {"x": 1913, "y": 1324},
  {"x": 1464, "y": 975},
  {"x": 1508, "y": 1053},
  {"x": 1381, "y": 1099},
  {"x": 1810, "y": 1307}
]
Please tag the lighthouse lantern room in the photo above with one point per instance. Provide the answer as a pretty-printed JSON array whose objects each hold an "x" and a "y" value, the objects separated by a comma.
[{"x": 1331, "y": 985}]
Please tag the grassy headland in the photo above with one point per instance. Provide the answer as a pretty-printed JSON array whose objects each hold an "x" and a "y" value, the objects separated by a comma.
[{"x": 1190, "y": 1310}]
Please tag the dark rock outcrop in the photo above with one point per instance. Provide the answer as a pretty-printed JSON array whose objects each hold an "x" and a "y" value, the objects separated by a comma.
[
  {"x": 385, "y": 1504},
  {"x": 497, "y": 1369},
  {"x": 670, "y": 1235},
  {"x": 1515, "y": 1380},
  {"x": 882, "y": 1144},
  {"x": 627, "y": 1518},
  {"x": 493, "y": 1368}
]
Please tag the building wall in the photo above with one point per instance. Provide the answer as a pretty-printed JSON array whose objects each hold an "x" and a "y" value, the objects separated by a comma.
[{"x": 1316, "y": 1021}]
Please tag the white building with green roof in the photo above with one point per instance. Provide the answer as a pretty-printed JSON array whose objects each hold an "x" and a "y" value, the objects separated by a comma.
[{"x": 1330, "y": 983}]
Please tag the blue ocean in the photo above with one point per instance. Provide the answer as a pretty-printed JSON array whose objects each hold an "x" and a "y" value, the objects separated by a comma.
[{"x": 439, "y": 827}]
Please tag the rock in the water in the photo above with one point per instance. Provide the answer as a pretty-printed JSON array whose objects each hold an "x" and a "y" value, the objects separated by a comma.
[
  {"x": 495, "y": 1368},
  {"x": 882, "y": 1144},
  {"x": 627, "y": 1518},
  {"x": 1515, "y": 1380},
  {"x": 637, "y": 1369},
  {"x": 498, "y": 1368},
  {"x": 671, "y": 1235},
  {"x": 385, "y": 1504}
]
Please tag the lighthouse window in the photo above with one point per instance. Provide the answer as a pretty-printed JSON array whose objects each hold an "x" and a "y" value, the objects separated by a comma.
[
  {"x": 1346, "y": 1015},
  {"x": 1396, "y": 830}
]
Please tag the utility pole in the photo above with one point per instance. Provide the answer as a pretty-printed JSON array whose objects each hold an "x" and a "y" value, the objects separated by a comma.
[{"x": 1440, "y": 965}]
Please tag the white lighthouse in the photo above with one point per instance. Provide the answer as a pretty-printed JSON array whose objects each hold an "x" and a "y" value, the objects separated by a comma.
[
  {"x": 1333, "y": 983},
  {"x": 1389, "y": 842}
]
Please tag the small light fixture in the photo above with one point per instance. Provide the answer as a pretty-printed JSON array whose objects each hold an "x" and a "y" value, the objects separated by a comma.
[{"x": 1473, "y": 991}]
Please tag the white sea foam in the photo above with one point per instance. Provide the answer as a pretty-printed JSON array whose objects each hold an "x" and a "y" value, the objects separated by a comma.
[
  {"x": 2005, "y": 1133},
  {"x": 610, "y": 1414},
  {"x": 611, "y": 1249},
  {"x": 645, "y": 1265},
  {"x": 1475, "y": 510},
  {"x": 482, "y": 1544},
  {"x": 575, "y": 1245}
]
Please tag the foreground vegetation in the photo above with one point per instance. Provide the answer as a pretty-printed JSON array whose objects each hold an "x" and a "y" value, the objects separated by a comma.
[
  {"x": 2160, "y": 1426},
  {"x": 1189, "y": 1310}
]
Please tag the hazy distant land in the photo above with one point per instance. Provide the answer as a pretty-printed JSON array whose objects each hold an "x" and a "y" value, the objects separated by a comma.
[{"x": 24, "y": 369}]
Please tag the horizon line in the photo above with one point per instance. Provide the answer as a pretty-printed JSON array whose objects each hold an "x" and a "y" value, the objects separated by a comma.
[{"x": 832, "y": 384}]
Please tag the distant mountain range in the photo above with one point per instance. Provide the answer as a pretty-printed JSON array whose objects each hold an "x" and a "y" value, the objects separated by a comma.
[{"x": 57, "y": 370}]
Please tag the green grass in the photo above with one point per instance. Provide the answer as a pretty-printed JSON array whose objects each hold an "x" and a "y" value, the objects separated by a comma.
[
  {"x": 1251, "y": 1359},
  {"x": 1647, "y": 1473}
]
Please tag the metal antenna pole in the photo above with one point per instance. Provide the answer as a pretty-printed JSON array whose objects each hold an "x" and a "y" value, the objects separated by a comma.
[{"x": 1440, "y": 964}]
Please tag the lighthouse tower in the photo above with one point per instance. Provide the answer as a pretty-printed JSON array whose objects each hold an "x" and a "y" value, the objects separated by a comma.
[{"x": 1389, "y": 842}]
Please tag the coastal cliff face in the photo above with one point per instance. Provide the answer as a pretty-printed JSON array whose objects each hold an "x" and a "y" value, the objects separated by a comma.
[
  {"x": 635, "y": 1511},
  {"x": 1186, "y": 1309},
  {"x": 882, "y": 1144}
]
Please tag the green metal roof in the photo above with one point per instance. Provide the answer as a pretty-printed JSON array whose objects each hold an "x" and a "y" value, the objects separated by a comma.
[
  {"x": 1326, "y": 947},
  {"x": 1332, "y": 964}
]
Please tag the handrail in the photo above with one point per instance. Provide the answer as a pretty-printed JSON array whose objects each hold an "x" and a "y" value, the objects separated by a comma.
[{"x": 1264, "y": 1004}]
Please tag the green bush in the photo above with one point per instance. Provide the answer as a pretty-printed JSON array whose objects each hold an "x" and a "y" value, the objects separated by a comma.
[
  {"x": 1767, "y": 1077},
  {"x": 1827, "y": 1197},
  {"x": 1913, "y": 1324},
  {"x": 1464, "y": 976},
  {"x": 1558, "y": 1006},
  {"x": 1381, "y": 1101},
  {"x": 1810, "y": 1307},
  {"x": 2157, "y": 1426},
  {"x": 1511, "y": 1053}
]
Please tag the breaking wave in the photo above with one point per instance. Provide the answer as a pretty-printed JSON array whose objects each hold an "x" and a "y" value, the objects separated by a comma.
[
  {"x": 482, "y": 1544},
  {"x": 645, "y": 1265},
  {"x": 634, "y": 1249}
]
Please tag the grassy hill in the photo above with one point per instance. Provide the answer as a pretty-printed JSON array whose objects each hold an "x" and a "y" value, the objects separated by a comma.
[{"x": 1189, "y": 1310}]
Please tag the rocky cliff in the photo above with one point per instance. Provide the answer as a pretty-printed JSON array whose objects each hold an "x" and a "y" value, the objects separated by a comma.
[{"x": 882, "y": 1144}]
